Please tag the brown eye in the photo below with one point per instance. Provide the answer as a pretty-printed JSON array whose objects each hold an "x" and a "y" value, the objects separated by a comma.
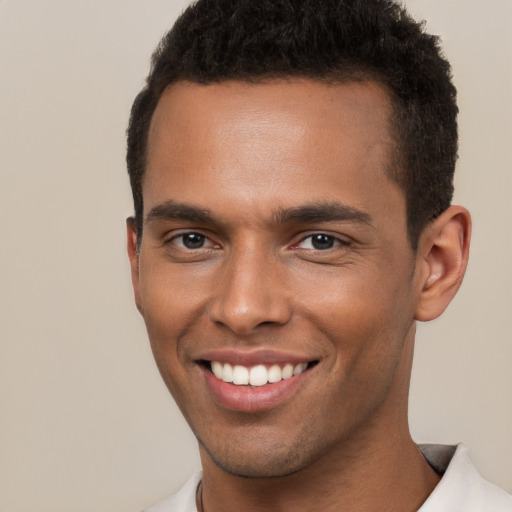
[
  {"x": 193, "y": 240},
  {"x": 319, "y": 242},
  {"x": 190, "y": 240},
  {"x": 322, "y": 241}
]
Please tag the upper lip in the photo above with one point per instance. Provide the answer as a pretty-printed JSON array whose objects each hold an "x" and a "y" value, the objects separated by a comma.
[{"x": 254, "y": 357}]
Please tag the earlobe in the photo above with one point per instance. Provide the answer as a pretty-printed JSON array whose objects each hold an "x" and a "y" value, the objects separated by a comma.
[
  {"x": 443, "y": 257},
  {"x": 133, "y": 256}
]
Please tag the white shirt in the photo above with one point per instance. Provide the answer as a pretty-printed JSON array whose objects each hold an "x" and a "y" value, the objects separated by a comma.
[{"x": 461, "y": 488}]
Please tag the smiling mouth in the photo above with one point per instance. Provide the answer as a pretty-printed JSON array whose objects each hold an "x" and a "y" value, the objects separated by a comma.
[{"x": 257, "y": 375}]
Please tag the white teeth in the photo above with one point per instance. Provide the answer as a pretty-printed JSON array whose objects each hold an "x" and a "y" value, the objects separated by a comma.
[
  {"x": 257, "y": 375},
  {"x": 274, "y": 373},
  {"x": 240, "y": 375},
  {"x": 300, "y": 368},
  {"x": 227, "y": 373},
  {"x": 217, "y": 369},
  {"x": 287, "y": 371}
]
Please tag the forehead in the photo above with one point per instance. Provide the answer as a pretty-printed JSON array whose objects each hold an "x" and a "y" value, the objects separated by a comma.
[
  {"x": 303, "y": 107},
  {"x": 270, "y": 141}
]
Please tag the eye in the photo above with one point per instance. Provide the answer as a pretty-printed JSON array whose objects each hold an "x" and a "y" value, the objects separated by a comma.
[
  {"x": 320, "y": 242},
  {"x": 192, "y": 240}
]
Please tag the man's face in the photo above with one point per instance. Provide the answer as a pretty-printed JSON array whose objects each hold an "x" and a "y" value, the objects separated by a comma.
[{"x": 274, "y": 240}]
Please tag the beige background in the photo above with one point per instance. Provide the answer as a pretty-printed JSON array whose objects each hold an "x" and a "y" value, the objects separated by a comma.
[{"x": 85, "y": 423}]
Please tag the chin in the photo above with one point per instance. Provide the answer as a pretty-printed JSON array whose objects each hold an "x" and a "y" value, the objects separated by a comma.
[
  {"x": 256, "y": 468},
  {"x": 262, "y": 461}
]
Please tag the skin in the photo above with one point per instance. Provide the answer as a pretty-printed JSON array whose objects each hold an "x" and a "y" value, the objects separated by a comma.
[{"x": 256, "y": 157}]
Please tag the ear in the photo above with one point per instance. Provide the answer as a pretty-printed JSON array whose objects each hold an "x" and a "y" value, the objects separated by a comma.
[
  {"x": 443, "y": 253},
  {"x": 133, "y": 256}
]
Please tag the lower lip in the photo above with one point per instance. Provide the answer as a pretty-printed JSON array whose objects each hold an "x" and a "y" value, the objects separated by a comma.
[{"x": 252, "y": 398}]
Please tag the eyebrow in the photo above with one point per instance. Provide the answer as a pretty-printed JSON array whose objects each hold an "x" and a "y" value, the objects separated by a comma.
[
  {"x": 171, "y": 210},
  {"x": 307, "y": 214},
  {"x": 321, "y": 212}
]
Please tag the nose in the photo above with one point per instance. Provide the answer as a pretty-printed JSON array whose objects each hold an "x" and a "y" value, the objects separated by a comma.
[{"x": 251, "y": 292}]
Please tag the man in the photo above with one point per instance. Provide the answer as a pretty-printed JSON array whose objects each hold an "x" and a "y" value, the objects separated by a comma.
[{"x": 291, "y": 165}]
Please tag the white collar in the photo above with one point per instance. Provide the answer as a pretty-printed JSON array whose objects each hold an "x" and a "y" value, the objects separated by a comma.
[{"x": 461, "y": 488}]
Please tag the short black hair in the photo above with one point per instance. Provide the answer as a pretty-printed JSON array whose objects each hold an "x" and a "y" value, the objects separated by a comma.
[{"x": 327, "y": 40}]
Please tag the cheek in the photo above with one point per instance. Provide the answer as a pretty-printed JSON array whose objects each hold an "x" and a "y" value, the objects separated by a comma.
[
  {"x": 166, "y": 319},
  {"x": 366, "y": 316},
  {"x": 168, "y": 311},
  {"x": 171, "y": 301},
  {"x": 366, "y": 345},
  {"x": 367, "y": 351},
  {"x": 361, "y": 297}
]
